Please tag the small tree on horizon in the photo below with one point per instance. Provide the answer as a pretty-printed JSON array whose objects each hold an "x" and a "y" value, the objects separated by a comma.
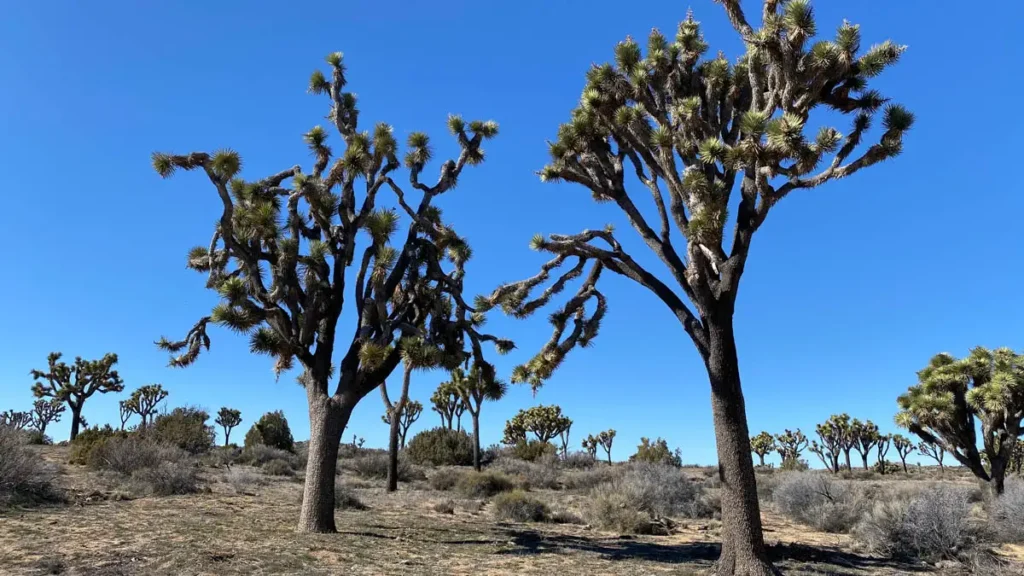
[
  {"x": 76, "y": 383},
  {"x": 790, "y": 444},
  {"x": 762, "y": 445},
  {"x": 834, "y": 434},
  {"x": 904, "y": 446},
  {"x": 124, "y": 412},
  {"x": 290, "y": 249},
  {"x": 544, "y": 422},
  {"x": 46, "y": 412},
  {"x": 865, "y": 437},
  {"x": 933, "y": 451},
  {"x": 954, "y": 397},
  {"x": 15, "y": 419},
  {"x": 445, "y": 401},
  {"x": 696, "y": 131},
  {"x": 605, "y": 440},
  {"x": 144, "y": 401},
  {"x": 410, "y": 414},
  {"x": 883, "y": 442},
  {"x": 228, "y": 419}
]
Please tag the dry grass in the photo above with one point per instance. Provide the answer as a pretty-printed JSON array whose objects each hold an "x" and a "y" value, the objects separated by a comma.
[{"x": 223, "y": 532}]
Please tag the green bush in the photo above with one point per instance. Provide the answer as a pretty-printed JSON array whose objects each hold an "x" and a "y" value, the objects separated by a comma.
[
  {"x": 530, "y": 450},
  {"x": 131, "y": 454},
  {"x": 37, "y": 438},
  {"x": 278, "y": 467},
  {"x": 441, "y": 447},
  {"x": 518, "y": 506},
  {"x": 445, "y": 478},
  {"x": 656, "y": 452},
  {"x": 375, "y": 465},
  {"x": 258, "y": 455},
  {"x": 794, "y": 465},
  {"x": 167, "y": 479},
  {"x": 87, "y": 441},
  {"x": 483, "y": 484},
  {"x": 184, "y": 427},
  {"x": 271, "y": 430}
]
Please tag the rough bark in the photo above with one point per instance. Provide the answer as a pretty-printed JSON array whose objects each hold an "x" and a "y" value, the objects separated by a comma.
[
  {"x": 328, "y": 416},
  {"x": 76, "y": 420},
  {"x": 761, "y": 456},
  {"x": 864, "y": 456},
  {"x": 392, "y": 484},
  {"x": 476, "y": 441},
  {"x": 227, "y": 436},
  {"x": 743, "y": 550}
]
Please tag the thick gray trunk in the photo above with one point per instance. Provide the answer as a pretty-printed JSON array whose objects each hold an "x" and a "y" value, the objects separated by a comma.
[
  {"x": 392, "y": 484},
  {"x": 76, "y": 420},
  {"x": 328, "y": 416},
  {"x": 743, "y": 550},
  {"x": 476, "y": 442}
]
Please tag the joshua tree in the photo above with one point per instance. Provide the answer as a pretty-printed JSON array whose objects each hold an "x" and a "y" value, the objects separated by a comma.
[
  {"x": 903, "y": 447},
  {"x": 228, "y": 418},
  {"x": 762, "y": 445},
  {"x": 75, "y": 384},
  {"x": 696, "y": 129},
  {"x": 460, "y": 409},
  {"x": 16, "y": 420},
  {"x": 790, "y": 444},
  {"x": 544, "y": 422},
  {"x": 46, "y": 412},
  {"x": 953, "y": 396},
  {"x": 933, "y": 451},
  {"x": 446, "y": 401},
  {"x": 589, "y": 444},
  {"x": 605, "y": 440},
  {"x": 409, "y": 415},
  {"x": 144, "y": 402},
  {"x": 883, "y": 443},
  {"x": 417, "y": 354},
  {"x": 563, "y": 437},
  {"x": 280, "y": 256},
  {"x": 474, "y": 388},
  {"x": 124, "y": 409},
  {"x": 834, "y": 434},
  {"x": 865, "y": 437},
  {"x": 1017, "y": 458}
]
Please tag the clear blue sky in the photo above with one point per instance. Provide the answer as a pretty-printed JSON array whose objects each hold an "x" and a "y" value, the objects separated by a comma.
[{"x": 849, "y": 290}]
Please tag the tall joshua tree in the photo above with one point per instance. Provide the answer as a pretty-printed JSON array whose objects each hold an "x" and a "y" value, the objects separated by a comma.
[
  {"x": 124, "y": 412},
  {"x": 762, "y": 445},
  {"x": 865, "y": 437},
  {"x": 884, "y": 441},
  {"x": 953, "y": 396},
  {"x": 605, "y": 440},
  {"x": 834, "y": 434},
  {"x": 280, "y": 258},
  {"x": 544, "y": 422},
  {"x": 474, "y": 389},
  {"x": 15, "y": 420},
  {"x": 144, "y": 401},
  {"x": 228, "y": 418},
  {"x": 46, "y": 412},
  {"x": 410, "y": 414},
  {"x": 417, "y": 354},
  {"x": 790, "y": 444},
  {"x": 76, "y": 383},
  {"x": 694, "y": 129}
]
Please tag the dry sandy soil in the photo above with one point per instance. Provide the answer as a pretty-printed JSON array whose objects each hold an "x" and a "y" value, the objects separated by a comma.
[{"x": 222, "y": 532}]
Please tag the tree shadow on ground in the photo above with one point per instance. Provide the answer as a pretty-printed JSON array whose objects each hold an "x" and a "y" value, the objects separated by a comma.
[{"x": 529, "y": 542}]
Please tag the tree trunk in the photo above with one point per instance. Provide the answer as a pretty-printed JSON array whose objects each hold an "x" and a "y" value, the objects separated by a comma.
[
  {"x": 761, "y": 456},
  {"x": 609, "y": 452},
  {"x": 848, "y": 466},
  {"x": 743, "y": 550},
  {"x": 997, "y": 469},
  {"x": 392, "y": 484},
  {"x": 76, "y": 420},
  {"x": 328, "y": 416},
  {"x": 227, "y": 436},
  {"x": 904, "y": 460},
  {"x": 864, "y": 456},
  {"x": 476, "y": 441}
]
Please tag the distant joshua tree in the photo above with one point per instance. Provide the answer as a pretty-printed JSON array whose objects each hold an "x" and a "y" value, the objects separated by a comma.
[
  {"x": 417, "y": 354},
  {"x": 762, "y": 445},
  {"x": 790, "y": 444},
  {"x": 15, "y": 420},
  {"x": 144, "y": 402},
  {"x": 76, "y": 383},
  {"x": 46, "y": 412},
  {"x": 935, "y": 452},
  {"x": 865, "y": 437},
  {"x": 904, "y": 447},
  {"x": 228, "y": 419},
  {"x": 475, "y": 388}
]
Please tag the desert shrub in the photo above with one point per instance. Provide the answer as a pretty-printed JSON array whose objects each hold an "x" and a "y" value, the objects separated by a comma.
[
  {"x": 518, "y": 506},
  {"x": 260, "y": 454},
  {"x": 887, "y": 467},
  {"x": 345, "y": 498},
  {"x": 472, "y": 506},
  {"x": 446, "y": 507},
  {"x": 483, "y": 484},
  {"x": 278, "y": 467},
  {"x": 565, "y": 517},
  {"x": 24, "y": 478},
  {"x": 614, "y": 512},
  {"x": 37, "y": 438},
  {"x": 243, "y": 480},
  {"x": 271, "y": 430},
  {"x": 794, "y": 465},
  {"x": 929, "y": 526},
  {"x": 167, "y": 479},
  {"x": 87, "y": 441},
  {"x": 819, "y": 501},
  {"x": 132, "y": 453},
  {"x": 586, "y": 480},
  {"x": 578, "y": 461},
  {"x": 661, "y": 491},
  {"x": 441, "y": 447},
  {"x": 1006, "y": 513},
  {"x": 222, "y": 456},
  {"x": 542, "y": 473},
  {"x": 656, "y": 452},
  {"x": 184, "y": 427},
  {"x": 531, "y": 450},
  {"x": 445, "y": 478},
  {"x": 375, "y": 465}
]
